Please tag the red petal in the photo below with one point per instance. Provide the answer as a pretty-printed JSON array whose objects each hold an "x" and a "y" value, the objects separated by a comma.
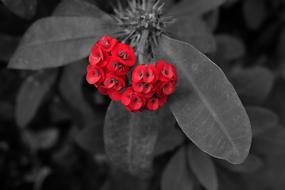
[{"x": 114, "y": 95}]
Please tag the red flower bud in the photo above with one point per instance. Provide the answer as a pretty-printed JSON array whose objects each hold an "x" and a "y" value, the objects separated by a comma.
[
  {"x": 125, "y": 54},
  {"x": 94, "y": 74}
]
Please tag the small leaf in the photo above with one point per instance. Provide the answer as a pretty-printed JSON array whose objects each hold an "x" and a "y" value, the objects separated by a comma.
[
  {"x": 130, "y": 138},
  {"x": 176, "y": 174},
  {"x": 8, "y": 45},
  {"x": 194, "y": 7},
  {"x": 23, "y": 8},
  {"x": 31, "y": 95},
  {"x": 254, "y": 12},
  {"x": 205, "y": 104},
  {"x": 253, "y": 84},
  {"x": 194, "y": 31},
  {"x": 261, "y": 119},
  {"x": 203, "y": 168},
  {"x": 250, "y": 165},
  {"x": 56, "y": 41}
]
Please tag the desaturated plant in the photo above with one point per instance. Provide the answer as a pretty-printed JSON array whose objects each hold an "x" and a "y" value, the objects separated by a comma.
[{"x": 204, "y": 105}]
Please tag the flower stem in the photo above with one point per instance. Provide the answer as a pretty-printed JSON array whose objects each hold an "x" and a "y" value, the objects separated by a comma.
[{"x": 141, "y": 46}]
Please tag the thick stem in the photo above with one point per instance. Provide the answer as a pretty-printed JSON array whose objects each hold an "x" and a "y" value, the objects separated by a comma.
[
  {"x": 141, "y": 46},
  {"x": 144, "y": 37}
]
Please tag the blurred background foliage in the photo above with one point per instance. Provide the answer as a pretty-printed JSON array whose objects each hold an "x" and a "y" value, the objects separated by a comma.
[{"x": 54, "y": 145}]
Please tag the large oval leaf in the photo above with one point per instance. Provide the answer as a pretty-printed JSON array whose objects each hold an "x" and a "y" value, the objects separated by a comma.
[
  {"x": 205, "y": 104},
  {"x": 130, "y": 138},
  {"x": 176, "y": 174},
  {"x": 31, "y": 95},
  {"x": 203, "y": 168},
  {"x": 57, "y": 41}
]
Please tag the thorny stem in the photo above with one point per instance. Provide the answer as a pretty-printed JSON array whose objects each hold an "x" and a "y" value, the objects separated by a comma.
[
  {"x": 142, "y": 23},
  {"x": 141, "y": 46},
  {"x": 144, "y": 37}
]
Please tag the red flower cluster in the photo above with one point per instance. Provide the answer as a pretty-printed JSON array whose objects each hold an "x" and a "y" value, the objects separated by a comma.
[
  {"x": 151, "y": 86},
  {"x": 110, "y": 61}
]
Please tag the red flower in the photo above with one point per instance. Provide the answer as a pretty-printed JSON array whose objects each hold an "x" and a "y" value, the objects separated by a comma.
[
  {"x": 132, "y": 100},
  {"x": 145, "y": 73},
  {"x": 94, "y": 74},
  {"x": 153, "y": 104},
  {"x": 98, "y": 57},
  {"x": 106, "y": 43},
  {"x": 150, "y": 87},
  {"x": 162, "y": 100},
  {"x": 144, "y": 88},
  {"x": 166, "y": 71},
  {"x": 114, "y": 82},
  {"x": 117, "y": 68},
  {"x": 125, "y": 54},
  {"x": 166, "y": 88}
]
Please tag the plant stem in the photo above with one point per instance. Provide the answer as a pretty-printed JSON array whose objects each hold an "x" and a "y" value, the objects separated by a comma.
[
  {"x": 141, "y": 46},
  {"x": 144, "y": 37}
]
